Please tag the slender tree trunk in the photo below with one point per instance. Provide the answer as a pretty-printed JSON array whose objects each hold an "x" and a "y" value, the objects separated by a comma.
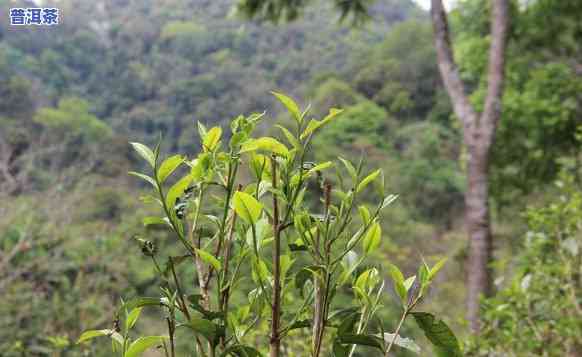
[
  {"x": 479, "y": 230},
  {"x": 478, "y": 137}
]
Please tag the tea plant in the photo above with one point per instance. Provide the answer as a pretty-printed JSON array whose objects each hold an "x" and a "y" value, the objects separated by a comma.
[{"x": 272, "y": 240}]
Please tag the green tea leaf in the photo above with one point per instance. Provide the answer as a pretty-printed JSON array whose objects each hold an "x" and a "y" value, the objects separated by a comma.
[
  {"x": 176, "y": 191},
  {"x": 398, "y": 280},
  {"x": 348, "y": 323},
  {"x": 292, "y": 139},
  {"x": 169, "y": 166},
  {"x": 340, "y": 350},
  {"x": 423, "y": 277},
  {"x": 209, "y": 259},
  {"x": 371, "y": 177},
  {"x": 435, "y": 269},
  {"x": 132, "y": 317},
  {"x": 408, "y": 282},
  {"x": 316, "y": 124},
  {"x": 320, "y": 167},
  {"x": 202, "y": 131},
  {"x": 146, "y": 178},
  {"x": 204, "y": 327},
  {"x": 260, "y": 272},
  {"x": 150, "y": 221},
  {"x": 247, "y": 207},
  {"x": 290, "y": 104},
  {"x": 371, "y": 240},
  {"x": 139, "y": 302},
  {"x": 439, "y": 334},
  {"x": 351, "y": 169},
  {"x": 367, "y": 279},
  {"x": 364, "y": 214},
  {"x": 142, "y": 344},
  {"x": 88, "y": 335},
  {"x": 306, "y": 273},
  {"x": 145, "y": 153},
  {"x": 265, "y": 143},
  {"x": 212, "y": 138}
]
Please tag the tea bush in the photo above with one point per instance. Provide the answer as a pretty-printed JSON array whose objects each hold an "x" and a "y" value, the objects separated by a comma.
[{"x": 273, "y": 239}]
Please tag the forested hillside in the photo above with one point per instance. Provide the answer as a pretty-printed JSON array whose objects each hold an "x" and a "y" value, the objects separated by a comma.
[{"x": 73, "y": 96}]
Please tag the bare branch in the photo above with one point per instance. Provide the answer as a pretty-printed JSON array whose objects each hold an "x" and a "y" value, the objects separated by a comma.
[
  {"x": 495, "y": 75},
  {"x": 448, "y": 68}
]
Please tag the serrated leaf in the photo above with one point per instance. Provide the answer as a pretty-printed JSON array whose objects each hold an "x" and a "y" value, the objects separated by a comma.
[
  {"x": 403, "y": 342},
  {"x": 140, "y": 345},
  {"x": 212, "y": 138},
  {"x": 439, "y": 334},
  {"x": 209, "y": 258},
  {"x": 290, "y": 104},
  {"x": 265, "y": 143},
  {"x": 371, "y": 177},
  {"x": 146, "y": 178},
  {"x": 372, "y": 239},
  {"x": 247, "y": 207},
  {"x": 145, "y": 152},
  {"x": 169, "y": 166}
]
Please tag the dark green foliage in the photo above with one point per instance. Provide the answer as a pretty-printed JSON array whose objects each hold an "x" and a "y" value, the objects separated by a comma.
[{"x": 444, "y": 341}]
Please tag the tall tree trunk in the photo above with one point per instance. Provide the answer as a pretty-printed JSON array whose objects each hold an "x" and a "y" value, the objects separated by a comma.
[
  {"x": 478, "y": 137},
  {"x": 479, "y": 230}
]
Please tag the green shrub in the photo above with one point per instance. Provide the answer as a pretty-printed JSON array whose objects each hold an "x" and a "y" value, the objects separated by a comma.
[
  {"x": 267, "y": 266},
  {"x": 539, "y": 313}
]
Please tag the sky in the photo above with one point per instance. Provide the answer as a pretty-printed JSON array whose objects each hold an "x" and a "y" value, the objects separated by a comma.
[{"x": 425, "y": 4}]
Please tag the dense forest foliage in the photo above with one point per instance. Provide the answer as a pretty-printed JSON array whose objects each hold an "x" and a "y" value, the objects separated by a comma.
[{"x": 72, "y": 96}]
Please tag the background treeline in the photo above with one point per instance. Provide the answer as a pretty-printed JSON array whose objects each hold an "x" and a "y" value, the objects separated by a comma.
[{"x": 71, "y": 97}]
